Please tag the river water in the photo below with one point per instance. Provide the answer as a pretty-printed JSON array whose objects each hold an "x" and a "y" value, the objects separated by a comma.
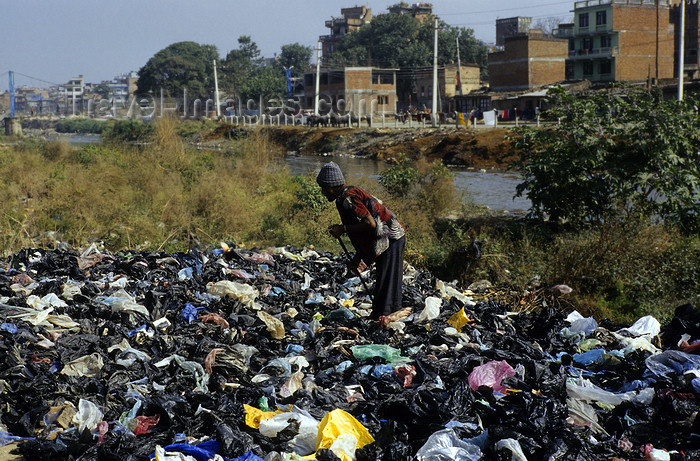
[
  {"x": 495, "y": 190},
  {"x": 491, "y": 189}
]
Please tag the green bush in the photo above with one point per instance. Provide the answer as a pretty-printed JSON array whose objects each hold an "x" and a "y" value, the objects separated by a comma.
[
  {"x": 398, "y": 179},
  {"x": 80, "y": 125},
  {"x": 127, "y": 131},
  {"x": 615, "y": 155},
  {"x": 308, "y": 194}
]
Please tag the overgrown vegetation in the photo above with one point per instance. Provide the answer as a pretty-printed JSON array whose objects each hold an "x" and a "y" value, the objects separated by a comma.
[
  {"x": 80, "y": 125},
  {"x": 623, "y": 154}
]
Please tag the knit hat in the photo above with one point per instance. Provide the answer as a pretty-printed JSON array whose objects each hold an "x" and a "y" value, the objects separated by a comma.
[{"x": 330, "y": 176}]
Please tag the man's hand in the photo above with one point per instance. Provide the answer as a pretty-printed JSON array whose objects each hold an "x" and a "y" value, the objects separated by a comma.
[
  {"x": 336, "y": 230},
  {"x": 357, "y": 265}
]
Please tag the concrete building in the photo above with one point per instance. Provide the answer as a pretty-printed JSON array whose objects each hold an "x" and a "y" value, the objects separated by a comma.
[
  {"x": 508, "y": 27},
  {"x": 352, "y": 88},
  {"x": 351, "y": 19},
  {"x": 691, "y": 57},
  {"x": 421, "y": 11},
  {"x": 622, "y": 40},
  {"x": 449, "y": 86},
  {"x": 528, "y": 60},
  {"x": 123, "y": 86}
]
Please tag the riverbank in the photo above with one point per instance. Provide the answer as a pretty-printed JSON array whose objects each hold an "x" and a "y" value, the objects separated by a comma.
[
  {"x": 479, "y": 149},
  {"x": 482, "y": 148}
]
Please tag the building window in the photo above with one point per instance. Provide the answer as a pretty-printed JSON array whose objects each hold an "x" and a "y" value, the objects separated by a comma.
[
  {"x": 605, "y": 41},
  {"x": 605, "y": 67},
  {"x": 383, "y": 100},
  {"x": 587, "y": 68},
  {"x": 587, "y": 44},
  {"x": 583, "y": 20},
  {"x": 484, "y": 104},
  {"x": 600, "y": 18},
  {"x": 422, "y": 91}
]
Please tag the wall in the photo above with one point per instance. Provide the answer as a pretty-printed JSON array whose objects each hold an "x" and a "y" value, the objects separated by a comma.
[{"x": 528, "y": 61}]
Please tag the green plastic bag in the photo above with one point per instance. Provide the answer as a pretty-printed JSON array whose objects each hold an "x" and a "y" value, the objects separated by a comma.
[{"x": 383, "y": 351}]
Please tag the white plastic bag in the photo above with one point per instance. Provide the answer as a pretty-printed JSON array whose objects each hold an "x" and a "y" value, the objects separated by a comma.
[
  {"x": 647, "y": 325},
  {"x": 88, "y": 415},
  {"x": 514, "y": 446},
  {"x": 431, "y": 310},
  {"x": 87, "y": 365},
  {"x": 444, "y": 445},
  {"x": 241, "y": 291}
]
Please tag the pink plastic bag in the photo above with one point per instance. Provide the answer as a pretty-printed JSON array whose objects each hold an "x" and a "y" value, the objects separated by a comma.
[{"x": 490, "y": 374}]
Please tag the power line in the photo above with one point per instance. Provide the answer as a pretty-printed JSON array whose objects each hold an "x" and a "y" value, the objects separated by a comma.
[
  {"x": 37, "y": 79},
  {"x": 505, "y": 9}
]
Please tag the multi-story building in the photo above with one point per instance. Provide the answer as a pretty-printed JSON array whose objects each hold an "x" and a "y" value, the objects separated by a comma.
[
  {"x": 528, "y": 60},
  {"x": 360, "y": 89},
  {"x": 622, "y": 40},
  {"x": 123, "y": 86},
  {"x": 421, "y": 11},
  {"x": 508, "y": 27},
  {"x": 351, "y": 19},
  {"x": 449, "y": 86}
]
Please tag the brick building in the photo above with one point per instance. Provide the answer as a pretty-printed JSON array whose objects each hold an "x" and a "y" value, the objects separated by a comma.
[
  {"x": 421, "y": 11},
  {"x": 622, "y": 40},
  {"x": 351, "y": 19},
  {"x": 508, "y": 27},
  {"x": 448, "y": 86},
  {"x": 528, "y": 61},
  {"x": 361, "y": 88}
]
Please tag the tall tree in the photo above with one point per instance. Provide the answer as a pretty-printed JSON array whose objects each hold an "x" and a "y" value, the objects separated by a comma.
[
  {"x": 297, "y": 57},
  {"x": 182, "y": 65},
  {"x": 263, "y": 81},
  {"x": 400, "y": 40},
  {"x": 238, "y": 64}
]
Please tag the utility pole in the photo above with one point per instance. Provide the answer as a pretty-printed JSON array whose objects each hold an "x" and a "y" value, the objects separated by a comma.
[
  {"x": 318, "y": 77},
  {"x": 12, "y": 93},
  {"x": 681, "y": 52},
  {"x": 657, "y": 42},
  {"x": 435, "y": 74},
  {"x": 216, "y": 92},
  {"x": 459, "y": 68}
]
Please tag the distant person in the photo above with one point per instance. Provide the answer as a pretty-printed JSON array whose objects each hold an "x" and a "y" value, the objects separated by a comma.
[{"x": 376, "y": 234}]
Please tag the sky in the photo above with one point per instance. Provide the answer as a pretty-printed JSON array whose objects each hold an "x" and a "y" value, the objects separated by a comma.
[{"x": 47, "y": 42}]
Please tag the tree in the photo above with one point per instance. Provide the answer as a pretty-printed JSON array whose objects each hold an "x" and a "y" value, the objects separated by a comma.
[
  {"x": 627, "y": 152},
  {"x": 548, "y": 24},
  {"x": 263, "y": 81},
  {"x": 401, "y": 40},
  {"x": 103, "y": 90},
  {"x": 297, "y": 57},
  {"x": 238, "y": 64},
  {"x": 180, "y": 66}
]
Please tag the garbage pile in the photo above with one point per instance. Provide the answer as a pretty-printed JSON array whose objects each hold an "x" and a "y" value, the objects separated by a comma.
[{"x": 237, "y": 354}]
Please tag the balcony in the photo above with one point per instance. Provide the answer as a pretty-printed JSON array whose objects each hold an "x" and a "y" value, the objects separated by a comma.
[
  {"x": 336, "y": 22},
  {"x": 592, "y": 3},
  {"x": 596, "y": 53},
  {"x": 563, "y": 33}
]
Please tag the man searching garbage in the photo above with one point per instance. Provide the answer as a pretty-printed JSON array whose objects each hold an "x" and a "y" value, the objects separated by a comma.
[{"x": 376, "y": 234}]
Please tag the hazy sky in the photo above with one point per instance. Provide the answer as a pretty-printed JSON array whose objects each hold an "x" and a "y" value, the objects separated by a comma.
[{"x": 56, "y": 40}]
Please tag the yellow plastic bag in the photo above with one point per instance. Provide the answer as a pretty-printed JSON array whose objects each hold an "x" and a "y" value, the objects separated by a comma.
[
  {"x": 339, "y": 422},
  {"x": 253, "y": 416},
  {"x": 459, "y": 319},
  {"x": 274, "y": 326}
]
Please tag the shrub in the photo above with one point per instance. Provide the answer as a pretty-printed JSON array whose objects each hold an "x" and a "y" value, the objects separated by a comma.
[
  {"x": 398, "y": 179},
  {"x": 614, "y": 155},
  {"x": 127, "y": 131}
]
